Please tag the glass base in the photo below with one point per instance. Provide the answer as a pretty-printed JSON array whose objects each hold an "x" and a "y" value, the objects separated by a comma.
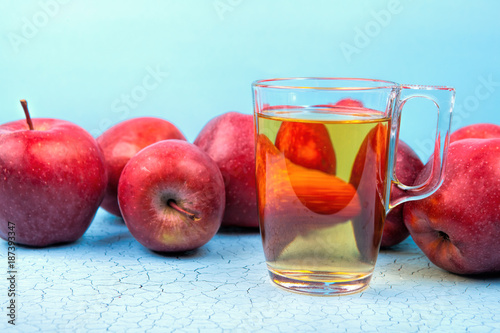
[{"x": 317, "y": 284}]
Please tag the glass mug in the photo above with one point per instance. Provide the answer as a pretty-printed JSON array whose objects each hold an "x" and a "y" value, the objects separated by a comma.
[{"x": 325, "y": 156}]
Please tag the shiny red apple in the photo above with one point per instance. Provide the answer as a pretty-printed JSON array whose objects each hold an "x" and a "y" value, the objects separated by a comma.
[
  {"x": 408, "y": 166},
  {"x": 350, "y": 103},
  {"x": 171, "y": 196},
  {"x": 308, "y": 145},
  {"x": 229, "y": 140},
  {"x": 267, "y": 107},
  {"x": 368, "y": 176},
  {"x": 122, "y": 141},
  {"x": 458, "y": 227},
  {"x": 343, "y": 104},
  {"x": 52, "y": 181},
  {"x": 477, "y": 131}
]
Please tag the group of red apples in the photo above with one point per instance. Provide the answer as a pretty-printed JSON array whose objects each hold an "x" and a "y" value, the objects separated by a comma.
[{"x": 174, "y": 196}]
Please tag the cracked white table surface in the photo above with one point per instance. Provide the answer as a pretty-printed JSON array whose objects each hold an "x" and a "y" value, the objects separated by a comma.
[{"x": 108, "y": 281}]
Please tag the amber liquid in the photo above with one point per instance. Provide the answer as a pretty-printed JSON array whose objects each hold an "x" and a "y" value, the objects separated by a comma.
[{"x": 321, "y": 216}]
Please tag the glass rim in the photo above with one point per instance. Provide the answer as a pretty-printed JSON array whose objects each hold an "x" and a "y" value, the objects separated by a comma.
[{"x": 375, "y": 84}]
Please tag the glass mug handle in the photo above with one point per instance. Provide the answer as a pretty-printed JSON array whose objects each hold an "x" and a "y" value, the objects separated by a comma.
[{"x": 443, "y": 98}]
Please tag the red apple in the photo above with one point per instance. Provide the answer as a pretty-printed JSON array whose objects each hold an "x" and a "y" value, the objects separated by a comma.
[
  {"x": 478, "y": 131},
  {"x": 267, "y": 107},
  {"x": 229, "y": 140},
  {"x": 345, "y": 104},
  {"x": 458, "y": 227},
  {"x": 349, "y": 102},
  {"x": 52, "y": 181},
  {"x": 294, "y": 200},
  {"x": 408, "y": 166},
  {"x": 124, "y": 140},
  {"x": 171, "y": 196},
  {"x": 308, "y": 145},
  {"x": 368, "y": 176}
]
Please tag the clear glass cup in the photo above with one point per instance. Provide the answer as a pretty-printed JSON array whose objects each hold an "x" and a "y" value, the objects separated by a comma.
[{"x": 325, "y": 156}]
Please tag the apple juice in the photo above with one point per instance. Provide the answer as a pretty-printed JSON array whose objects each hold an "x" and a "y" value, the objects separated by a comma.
[{"x": 321, "y": 185}]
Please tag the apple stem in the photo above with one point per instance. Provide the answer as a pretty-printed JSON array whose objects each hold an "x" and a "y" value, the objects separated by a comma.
[
  {"x": 27, "y": 113},
  {"x": 174, "y": 205}
]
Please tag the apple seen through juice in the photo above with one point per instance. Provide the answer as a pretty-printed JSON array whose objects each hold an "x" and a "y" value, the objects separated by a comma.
[{"x": 314, "y": 225}]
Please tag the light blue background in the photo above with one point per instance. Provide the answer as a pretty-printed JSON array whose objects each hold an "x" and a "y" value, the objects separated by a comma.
[{"x": 77, "y": 59}]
